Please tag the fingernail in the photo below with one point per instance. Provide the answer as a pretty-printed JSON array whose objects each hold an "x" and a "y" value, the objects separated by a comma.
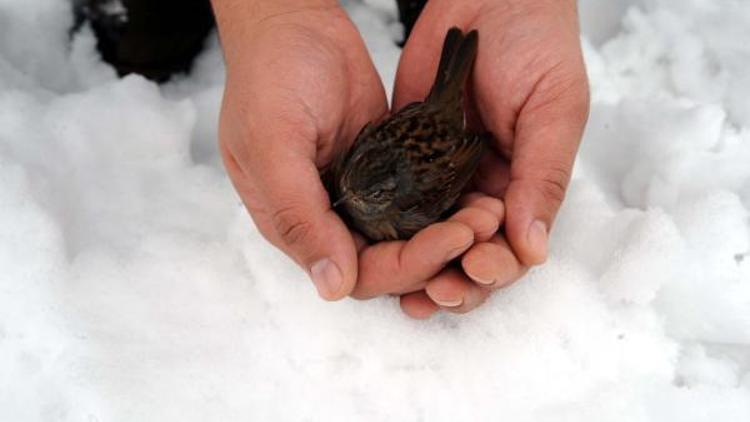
[
  {"x": 449, "y": 303},
  {"x": 480, "y": 280},
  {"x": 537, "y": 238},
  {"x": 327, "y": 278}
]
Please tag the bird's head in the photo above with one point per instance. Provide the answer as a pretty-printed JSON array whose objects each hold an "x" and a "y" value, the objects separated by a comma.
[{"x": 367, "y": 198}]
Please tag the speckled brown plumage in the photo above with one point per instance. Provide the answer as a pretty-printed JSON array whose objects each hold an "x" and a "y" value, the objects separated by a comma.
[{"x": 405, "y": 172}]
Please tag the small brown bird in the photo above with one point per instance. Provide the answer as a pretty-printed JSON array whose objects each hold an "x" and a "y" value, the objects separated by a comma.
[{"x": 405, "y": 172}]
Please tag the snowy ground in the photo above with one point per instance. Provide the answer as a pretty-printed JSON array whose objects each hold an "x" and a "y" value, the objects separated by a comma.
[{"x": 133, "y": 286}]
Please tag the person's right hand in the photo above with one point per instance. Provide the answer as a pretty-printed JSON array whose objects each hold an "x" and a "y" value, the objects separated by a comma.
[{"x": 300, "y": 86}]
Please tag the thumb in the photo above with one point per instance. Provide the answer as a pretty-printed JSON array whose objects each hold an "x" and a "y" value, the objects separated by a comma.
[
  {"x": 547, "y": 135},
  {"x": 288, "y": 202}
]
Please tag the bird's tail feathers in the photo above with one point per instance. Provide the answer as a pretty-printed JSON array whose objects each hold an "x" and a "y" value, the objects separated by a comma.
[{"x": 456, "y": 61}]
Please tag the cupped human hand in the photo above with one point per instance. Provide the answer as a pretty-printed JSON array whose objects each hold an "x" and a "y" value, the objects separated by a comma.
[
  {"x": 529, "y": 89},
  {"x": 300, "y": 86}
]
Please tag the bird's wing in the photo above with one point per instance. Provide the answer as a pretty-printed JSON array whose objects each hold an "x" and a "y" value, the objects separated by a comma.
[{"x": 440, "y": 167}]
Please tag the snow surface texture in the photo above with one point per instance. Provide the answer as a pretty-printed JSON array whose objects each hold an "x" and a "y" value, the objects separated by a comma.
[{"x": 133, "y": 286}]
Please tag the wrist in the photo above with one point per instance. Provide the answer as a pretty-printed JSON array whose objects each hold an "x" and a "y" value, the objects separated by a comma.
[
  {"x": 237, "y": 19},
  {"x": 554, "y": 5},
  {"x": 561, "y": 11},
  {"x": 231, "y": 14},
  {"x": 260, "y": 9}
]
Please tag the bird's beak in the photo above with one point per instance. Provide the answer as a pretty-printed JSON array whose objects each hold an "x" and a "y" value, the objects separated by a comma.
[{"x": 341, "y": 200}]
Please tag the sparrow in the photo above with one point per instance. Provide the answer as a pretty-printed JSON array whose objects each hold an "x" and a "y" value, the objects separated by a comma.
[{"x": 406, "y": 171}]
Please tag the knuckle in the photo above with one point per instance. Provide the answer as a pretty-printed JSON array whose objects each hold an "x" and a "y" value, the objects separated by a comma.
[
  {"x": 292, "y": 226},
  {"x": 554, "y": 185},
  {"x": 550, "y": 180}
]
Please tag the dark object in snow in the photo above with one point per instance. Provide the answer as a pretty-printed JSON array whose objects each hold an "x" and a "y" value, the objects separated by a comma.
[
  {"x": 408, "y": 11},
  {"x": 154, "y": 38},
  {"x": 405, "y": 172},
  {"x": 158, "y": 38}
]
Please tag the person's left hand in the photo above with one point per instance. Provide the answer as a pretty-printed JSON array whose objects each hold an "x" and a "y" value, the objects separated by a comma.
[{"x": 529, "y": 89}]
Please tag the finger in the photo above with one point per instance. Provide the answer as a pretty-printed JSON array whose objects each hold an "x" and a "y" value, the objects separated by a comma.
[
  {"x": 485, "y": 202},
  {"x": 492, "y": 264},
  {"x": 292, "y": 210},
  {"x": 548, "y": 133},
  {"x": 418, "y": 305},
  {"x": 410, "y": 288},
  {"x": 454, "y": 292},
  {"x": 389, "y": 267},
  {"x": 482, "y": 222},
  {"x": 483, "y": 218}
]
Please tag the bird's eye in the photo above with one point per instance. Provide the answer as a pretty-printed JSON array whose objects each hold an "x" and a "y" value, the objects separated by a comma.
[{"x": 380, "y": 190}]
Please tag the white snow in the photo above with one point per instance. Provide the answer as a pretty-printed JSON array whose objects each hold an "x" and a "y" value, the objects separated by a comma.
[{"x": 134, "y": 287}]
